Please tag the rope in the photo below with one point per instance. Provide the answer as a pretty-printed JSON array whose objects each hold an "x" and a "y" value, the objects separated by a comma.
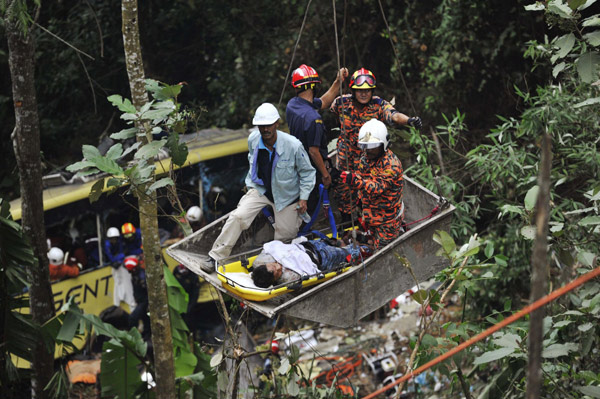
[
  {"x": 484, "y": 334},
  {"x": 441, "y": 200},
  {"x": 412, "y": 105},
  {"x": 433, "y": 212},
  {"x": 342, "y": 124},
  {"x": 287, "y": 75}
]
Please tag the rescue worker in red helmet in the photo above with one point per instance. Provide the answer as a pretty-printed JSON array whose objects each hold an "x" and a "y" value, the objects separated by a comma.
[
  {"x": 379, "y": 183},
  {"x": 305, "y": 122},
  {"x": 132, "y": 239},
  {"x": 358, "y": 108}
]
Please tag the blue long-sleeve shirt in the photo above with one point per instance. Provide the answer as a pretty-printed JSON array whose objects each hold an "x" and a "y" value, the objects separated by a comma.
[
  {"x": 114, "y": 252},
  {"x": 134, "y": 245}
]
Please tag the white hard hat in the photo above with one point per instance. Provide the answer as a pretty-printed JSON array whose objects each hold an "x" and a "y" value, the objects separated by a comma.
[
  {"x": 56, "y": 256},
  {"x": 266, "y": 114},
  {"x": 112, "y": 232},
  {"x": 194, "y": 214},
  {"x": 373, "y": 134}
]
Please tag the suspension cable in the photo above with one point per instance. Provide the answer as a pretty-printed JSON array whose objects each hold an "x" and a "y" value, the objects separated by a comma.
[
  {"x": 342, "y": 124},
  {"x": 441, "y": 199},
  {"x": 287, "y": 75}
]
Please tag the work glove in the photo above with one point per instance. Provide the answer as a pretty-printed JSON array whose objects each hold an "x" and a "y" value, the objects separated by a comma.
[
  {"x": 415, "y": 122},
  {"x": 349, "y": 178}
]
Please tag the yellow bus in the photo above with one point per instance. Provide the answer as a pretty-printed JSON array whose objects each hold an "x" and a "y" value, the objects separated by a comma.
[{"x": 93, "y": 288}]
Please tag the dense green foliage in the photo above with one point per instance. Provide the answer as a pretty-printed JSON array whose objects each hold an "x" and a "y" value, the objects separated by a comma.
[
  {"x": 488, "y": 79},
  {"x": 496, "y": 184},
  {"x": 235, "y": 55}
]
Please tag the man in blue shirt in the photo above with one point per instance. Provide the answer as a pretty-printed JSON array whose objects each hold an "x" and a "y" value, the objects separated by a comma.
[
  {"x": 280, "y": 176},
  {"x": 305, "y": 123}
]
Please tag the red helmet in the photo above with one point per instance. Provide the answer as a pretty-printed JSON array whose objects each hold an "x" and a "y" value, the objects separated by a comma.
[
  {"x": 363, "y": 79},
  {"x": 305, "y": 77},
  {"x": 127, "y": 230},
  {"x": 131, "y": 262}
]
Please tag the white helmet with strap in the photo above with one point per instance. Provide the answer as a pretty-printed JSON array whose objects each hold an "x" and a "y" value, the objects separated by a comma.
[{"x": 373, "y": 134}]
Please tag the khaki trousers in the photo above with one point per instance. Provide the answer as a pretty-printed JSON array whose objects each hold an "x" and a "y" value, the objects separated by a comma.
[{"x": 287, "y": 222}]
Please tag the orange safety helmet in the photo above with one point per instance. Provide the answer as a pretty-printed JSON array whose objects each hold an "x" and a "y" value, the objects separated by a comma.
[
  {"x": 127, "y": 230},
  {"x": 363, "y": 79},
  {"x": 305, "y": 77}
]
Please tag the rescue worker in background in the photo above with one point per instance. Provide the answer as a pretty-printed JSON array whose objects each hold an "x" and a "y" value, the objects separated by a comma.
[
  {"x": 280, "y": 176},
  {"x": 137, "y": 270},
  {"x": 358, "y": 108},
  {"x": 194, "y": 218},
  {"x": 113, "y": 247},
  {"x": 57, "y": 267},
  {"x": 114, "y": 251},
  {"x": 379, "y": 183},
  {"x": 305, "y": 123},
  {"x": 132, "y": 240}
]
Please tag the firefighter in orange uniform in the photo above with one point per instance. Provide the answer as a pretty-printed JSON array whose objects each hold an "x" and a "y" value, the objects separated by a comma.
[
  {"x": 353, "y": 110},
  {"x": 379, "y": 183}
]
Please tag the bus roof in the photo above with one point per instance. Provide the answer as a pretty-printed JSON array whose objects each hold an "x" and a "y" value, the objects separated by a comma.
[{"x": 204, "y": 145}]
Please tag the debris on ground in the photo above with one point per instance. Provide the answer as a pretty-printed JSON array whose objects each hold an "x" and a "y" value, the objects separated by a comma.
[{"x": 368, "y": 356}]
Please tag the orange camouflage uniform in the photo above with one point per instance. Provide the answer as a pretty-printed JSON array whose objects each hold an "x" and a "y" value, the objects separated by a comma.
[
  {"x": 379, "y": 183},
  {"x": 348, "y": 153}
]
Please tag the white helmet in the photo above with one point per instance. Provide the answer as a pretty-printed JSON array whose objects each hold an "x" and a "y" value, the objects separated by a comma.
[
  {"x": 112, "y": 232},
  {"x": 372, "y": 134},
  {"x": 56, "y": 256},
  {"x": 266, "y": 114},
  {"x": 194, "y": 214}
]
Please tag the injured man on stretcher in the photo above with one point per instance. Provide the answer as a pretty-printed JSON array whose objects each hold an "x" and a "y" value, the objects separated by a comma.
[{"x": 280, "y": 263}]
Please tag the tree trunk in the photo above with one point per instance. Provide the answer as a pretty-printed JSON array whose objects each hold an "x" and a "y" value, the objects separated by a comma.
[
  {"x": 157, "y": 293},
  {"x": 26, "y": 143},
  {"x": 539, "y": 278}
]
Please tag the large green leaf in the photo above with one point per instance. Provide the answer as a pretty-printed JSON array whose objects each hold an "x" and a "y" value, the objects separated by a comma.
[
  {"x": 89, "y": 152},
  {"x": 508, "y": 340},
  {"x": 594, "y": 20},
  {"x": 589, "y": 220},
  {"x": 179, "y": 152},
  {"x": 556, "y": 350},
  {"x": 531, "y": 197},
  {"x": 575, "y": 4},
  {"x": 587, "y": 65},
  {"x": 559, "y": 8},
  {"x": 590, "y": 390},
  {"x": 125, "y": 134},
  {"x": 589, "y": 101},
  {"x": 124, "y": 105},
  {"x": 119, "y": 375},
  {"x": 593, "y": 38},
  {"x": 445, "y": 240},
  {"x": 79, "y": 165},
  {"x": 150, "y": 150},
  {"x": 165, "y": 181},
  {"x": 565, "y": 44},
  {"x": 115, "y": 151},
  {"x": 493, "y": 355},
  {"x": 537, "y": 6},
  {"x": 107, "y": 165},
  {"x": 68, "y": 328}
]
